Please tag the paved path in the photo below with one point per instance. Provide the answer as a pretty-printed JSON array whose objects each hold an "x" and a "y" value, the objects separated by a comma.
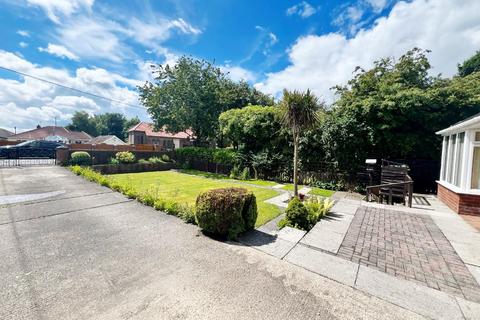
[{"x": 89, "y": 253}]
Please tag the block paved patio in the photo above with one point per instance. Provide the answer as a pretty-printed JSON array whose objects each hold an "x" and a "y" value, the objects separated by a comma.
[
  {"x": 407, "y": 246},
  {"x": 425, "y": 259}
]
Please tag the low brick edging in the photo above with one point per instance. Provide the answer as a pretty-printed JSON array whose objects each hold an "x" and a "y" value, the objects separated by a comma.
[
  {"x": 133, "y": 168},
  {"x": 468, "y": 204}
]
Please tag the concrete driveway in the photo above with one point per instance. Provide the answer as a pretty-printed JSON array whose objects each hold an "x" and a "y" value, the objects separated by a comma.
[{"x": 76, "y": 250}]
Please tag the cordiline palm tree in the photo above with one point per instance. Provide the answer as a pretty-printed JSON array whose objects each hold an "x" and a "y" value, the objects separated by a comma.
[{"x": 300, "y": 112}]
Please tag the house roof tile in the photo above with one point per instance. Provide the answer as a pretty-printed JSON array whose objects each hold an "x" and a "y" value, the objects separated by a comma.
[{"x": 148, "y": 129}]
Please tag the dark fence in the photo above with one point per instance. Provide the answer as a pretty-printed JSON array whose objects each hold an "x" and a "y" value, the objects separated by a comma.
[
  {"x": 207, "y": 166},
  {"x": 104, "y": 156},
  {"x": 133, "y": 167},
  {"x": 424, "y": 174}
]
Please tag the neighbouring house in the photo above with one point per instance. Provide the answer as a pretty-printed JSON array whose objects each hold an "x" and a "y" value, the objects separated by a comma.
[
  {"x": 4, "y": 134},
  {"x": 459, "y": 182},
  {"x": 52, "y": 133},
  {"x": 143, "y": 133},
  {"x": 109, "y": 139}
]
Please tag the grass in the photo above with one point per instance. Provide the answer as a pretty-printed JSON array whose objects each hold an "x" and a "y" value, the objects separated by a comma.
[
  {"x": 184, "y": 188},
  {"x": 316, "y": 191},
  {"x": 263, "y": 183}
]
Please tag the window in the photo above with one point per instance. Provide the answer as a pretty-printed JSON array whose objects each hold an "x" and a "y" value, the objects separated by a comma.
[
  {"x": 477, "y": 136},
  {"x": 451, "y": 158},
  {"x": 459, "y": 159},
  {"x": 476, "y": 168},
  {"x": 444, "y": 158}
]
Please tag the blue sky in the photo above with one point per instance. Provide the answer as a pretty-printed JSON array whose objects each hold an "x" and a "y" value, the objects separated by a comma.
[{"x": 106, "y": 47}]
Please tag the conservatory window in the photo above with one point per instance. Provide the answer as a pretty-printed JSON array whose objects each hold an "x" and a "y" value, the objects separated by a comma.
[
  {"x": 451, "y": 157},
  {"x": 459, "y": 159},
  {"x": 476, "y": 168}
]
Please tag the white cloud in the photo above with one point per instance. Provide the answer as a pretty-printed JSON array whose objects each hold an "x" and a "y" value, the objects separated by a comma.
[
  {"x": 320, "y": 62},
  {"x": 237, "y": 73},
  {"x": 59, "y": 51},
  {"x": 23, "y": 44},
  {"x": 26, "y": 102},
  {"x": 56, "y": 8},
  {"x": 24, "y": 33},
  {"x": 378, "y": 5},
  {"x": 91, "y": 38},
  {"x": 303, "y": 9}
]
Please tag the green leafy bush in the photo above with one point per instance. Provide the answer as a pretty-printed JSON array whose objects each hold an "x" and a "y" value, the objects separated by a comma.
[
  {"x": 81, "y": 158},
  {"x": 224, "y": 156},
  {"x": 235, "y": 172},
  {"x": 226, "y": 212},
  {"x": 155, "y": 160},
  {"x": 297, "y": 215},
  {"x": 125, "y": 157},
  {"x": 143, "y": 161},
  {"x": 245, "y": 175},
  {"x": 165, "y": 158},
  {"x": 318, "y": 207},
  {"x": 113, "y": 161},
  {"x": 305, "y": 215}
]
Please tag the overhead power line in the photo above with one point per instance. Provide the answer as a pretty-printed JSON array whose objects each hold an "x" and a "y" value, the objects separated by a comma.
[{"x": 73, "y": 89}]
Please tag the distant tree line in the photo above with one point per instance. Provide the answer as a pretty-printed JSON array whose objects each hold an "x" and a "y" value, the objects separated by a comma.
[{"x": 102, "y": 124}]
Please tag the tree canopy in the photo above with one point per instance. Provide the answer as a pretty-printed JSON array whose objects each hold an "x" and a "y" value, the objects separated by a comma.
[
  {"x": 470, "y": 65},
  {"x": 192, "y": 94},
  {"x": 102, "y": 124}
]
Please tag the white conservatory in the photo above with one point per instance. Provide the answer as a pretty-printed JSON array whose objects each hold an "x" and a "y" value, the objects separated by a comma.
[{"x": 459, "y": 182}]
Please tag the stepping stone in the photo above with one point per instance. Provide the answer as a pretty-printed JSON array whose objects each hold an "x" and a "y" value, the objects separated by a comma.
[{"x": 291, "y": 234}]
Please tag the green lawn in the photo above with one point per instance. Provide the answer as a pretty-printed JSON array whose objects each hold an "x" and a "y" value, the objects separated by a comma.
[
  {"x": 184, "y": 188},
  {"x": 316, "y": 191},
  {"x": 263, "y": 183}
]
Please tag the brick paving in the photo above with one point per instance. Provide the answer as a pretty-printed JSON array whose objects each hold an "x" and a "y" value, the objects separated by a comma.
[{"x": 408, "y": 246}]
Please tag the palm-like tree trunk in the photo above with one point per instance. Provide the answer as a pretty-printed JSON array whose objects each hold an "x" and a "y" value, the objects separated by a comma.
[{"x": 295, "y": 165}]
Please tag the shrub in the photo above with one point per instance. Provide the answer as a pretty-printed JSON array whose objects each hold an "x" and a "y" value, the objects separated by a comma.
[
  {"x": 318, "y": 207},
  {"x": 297, "y": 215},
  {"x": 155, "y": 160},
  {"x": 245, "y": 175},
  {"x": 143, "y": 161},
  {"x": 81, "y": 158},
  {"x": 113, "y": 161},
  {"x": 125, "y": 157},
  {"x": 226, "y": 212},
  {"x": 235, "y": 172},
  {"x": 165, "y": 158},
  {"x": 224, "y": 156}
]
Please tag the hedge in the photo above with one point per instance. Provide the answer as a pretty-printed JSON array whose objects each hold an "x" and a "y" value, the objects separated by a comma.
[
  {"x": 226, "y": 212},
  {"x": 224, "y": 156}
]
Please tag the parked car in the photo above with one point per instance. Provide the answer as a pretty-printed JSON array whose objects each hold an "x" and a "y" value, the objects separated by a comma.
[{"x": 30, "y": 149}]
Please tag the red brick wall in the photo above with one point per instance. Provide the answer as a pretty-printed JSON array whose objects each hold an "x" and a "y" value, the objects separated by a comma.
[{"x": 461, "y": 203}]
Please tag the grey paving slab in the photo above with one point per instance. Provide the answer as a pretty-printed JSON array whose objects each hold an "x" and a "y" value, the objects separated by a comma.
[
  {"x": 271, "y": 227},
  {"x": 327, "y": 240},
  {"x": 335, "y": 222},
  {"x": 291, "y": 234},
  {"x": 343, "y": 208},
  {"x": 280, "y": 200},
  {"x": 475, "y": 271},
  {"x": 468, "y": 252},
  {"x": 327, "y": 265},
  {"x": 470, "y": 310},
  {"x": 423, "y": 300},
  {"x": 271, "y": 244}
]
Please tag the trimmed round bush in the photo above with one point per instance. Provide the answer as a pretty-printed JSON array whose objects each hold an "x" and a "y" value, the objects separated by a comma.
[
  {"x": 297, "y": 215},
  {"x": 125, "y": 157},
  {"x": 226, "y": 212},
  {"x": 81, "y": 158}
]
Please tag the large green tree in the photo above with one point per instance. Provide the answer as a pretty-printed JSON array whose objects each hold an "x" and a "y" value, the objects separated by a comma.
[
  {"x": 192, "y": 94},
  {"x": 394, "y": 109}
]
